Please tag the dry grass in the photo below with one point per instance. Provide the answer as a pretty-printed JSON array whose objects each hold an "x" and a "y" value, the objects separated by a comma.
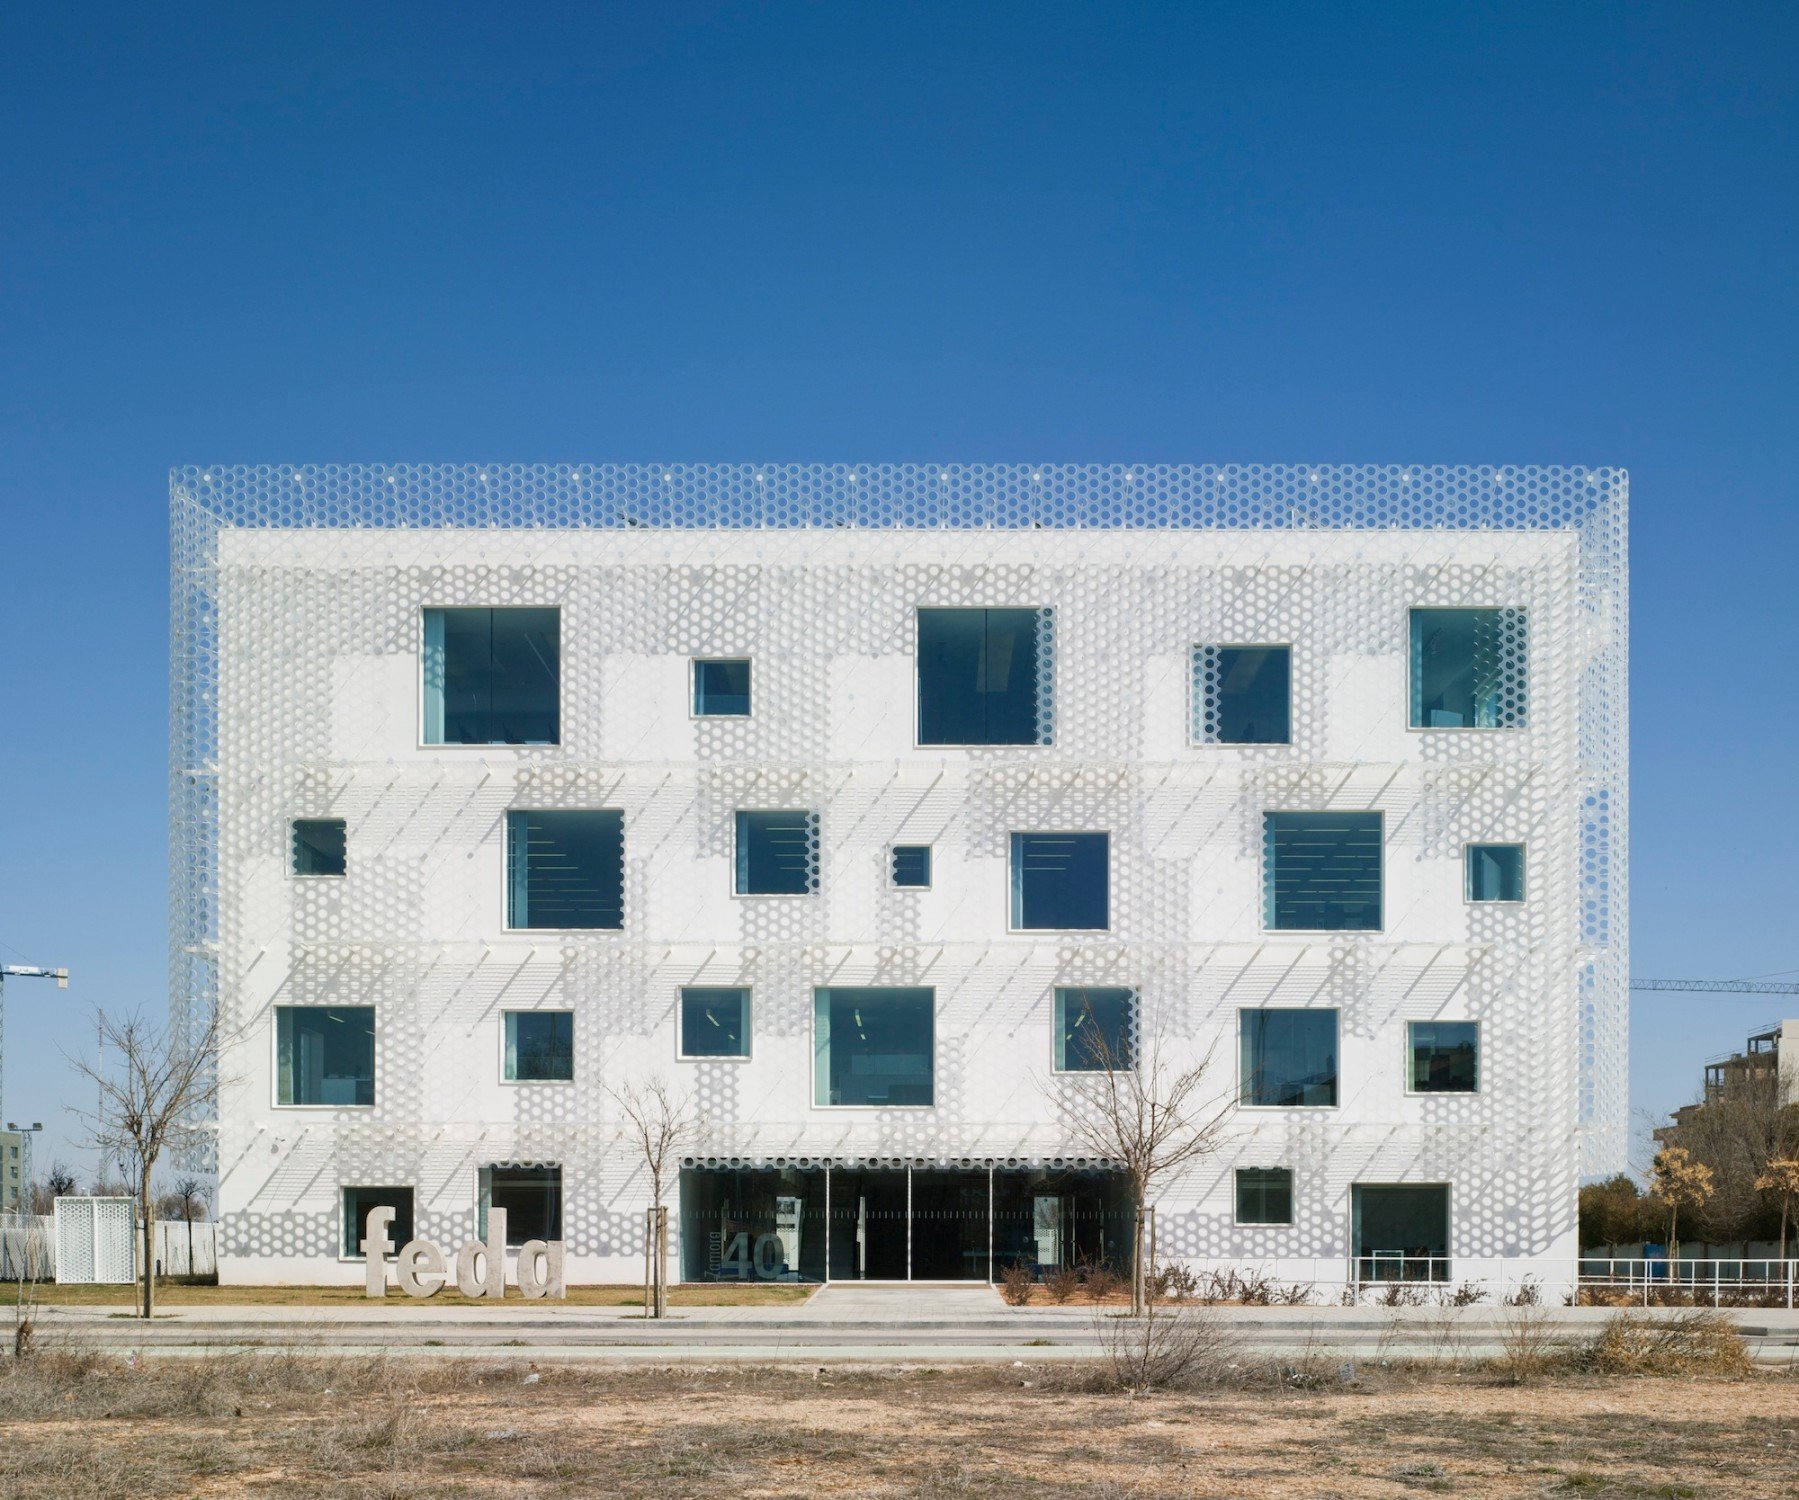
[
  {"x": 1698, "y": 1342},
  {"x": 181, "y": 1294},
  {"x": 279, "y": 1425}
]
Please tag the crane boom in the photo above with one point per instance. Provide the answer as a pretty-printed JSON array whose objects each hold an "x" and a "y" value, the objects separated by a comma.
[{"x": 1722, "y": 986}]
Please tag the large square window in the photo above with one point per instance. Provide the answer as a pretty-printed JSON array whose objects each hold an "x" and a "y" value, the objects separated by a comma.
[
  {"x": 492, "y": 676},
  {"x": 319, "y": 846},
  {"x": 325, "y": 1055},
  {"x": 1264, "y": 1195},
  {"x": 1242, "y": 695},
  {"x": 1095, "y": 1029},
  {"x": 540, "y": 1046},
  {"x": 1321, "y": 871},
  {"x": 982, "y": 677},
  {"x": 721, "y": 688},
  {"x": 1468, "y": 669},
  {"x": 1401, "y": 1232},
  {"x": 1444, "y": 1057},
  {"x": 531, "y": 1194},
  {"x": 777, "y": 854},
  {"x": 874, "y": 1047},
  {"x": 357, "y": 1203},
  {"x": 565, "y": 869},
  {"x": 1061, "y": 881},
  {"x": 715, "y": 1022},
  {"x": 1495, "y": 872},
  {"x": 1289, "y": 1058}
]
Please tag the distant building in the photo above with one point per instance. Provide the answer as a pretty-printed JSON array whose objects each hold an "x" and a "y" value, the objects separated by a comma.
[
  {"x": 1769, "y": 1055},
  {"x": 12, "y": 1171}
]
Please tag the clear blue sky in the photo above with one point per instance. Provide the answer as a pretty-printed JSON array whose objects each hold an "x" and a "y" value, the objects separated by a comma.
[{"x": 1558, "y": 233}]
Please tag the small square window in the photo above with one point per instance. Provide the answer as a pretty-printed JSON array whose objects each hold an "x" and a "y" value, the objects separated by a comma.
[
  {"x": 1242, "y": 695},
  {"x": 357, "y": 1203},
  {"x": 715, "y": 1022},
  {"x": 319, "y": 846},
  {"x": 325, "y": 1055},
  {"x": 777, "y": 854},
  {"x": 531, "y": 1194},
  {"x": 1060, "y": 882},
  {"x": 912, "y": 865},
  {"x": 1468, "y": 669},
  {"x": 1264, "y": 1195},
  {"x": 540, "y": 1046},
  {"x": 1444, "y": 1057},
  {"x": 1495, "y": 872},
  {"x": 721, "y": 688},
  {"x": 1095, "y": 1029}
]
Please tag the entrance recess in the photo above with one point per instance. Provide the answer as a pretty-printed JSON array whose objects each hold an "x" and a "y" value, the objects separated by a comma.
[{"x": 836, "y": 1222}]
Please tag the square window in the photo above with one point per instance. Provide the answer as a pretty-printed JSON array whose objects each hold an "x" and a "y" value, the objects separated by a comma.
[
  {"x": 1096, "y": 1030},
  {"x": 325, "y": 1055},
  {"x": 1468, "y": 669},
  {"x": 1289, "y": 1058},
  {"x": 983, "y": 676},
  {"x": 357, "y": 1203},
  {"x": 721, "y": 688},
  {"x": 492, "y": 676},
  {"x": 1321, "y": 871},
  {"x": 1401, "y": 1232},
  {"x": 1264, "y": 1195},
  {"x": 1060, "y": 882},
  {"x": 1445, "y": 1057},
  {"x": 777, "y": 854},
  {"x": 565, "y": 870},
  {"x": 1495, "y": 872},
  {"x": 873, "y": 1047},
  {"x": 540, "y": 1046},
  {"x": 1242, "y": 695},
  {"x": 715, "y": 1022},
  {"x": 319, "y": 846},
  {"x": 531, "y": 1194},
  {"x": 912, "y": 865}
]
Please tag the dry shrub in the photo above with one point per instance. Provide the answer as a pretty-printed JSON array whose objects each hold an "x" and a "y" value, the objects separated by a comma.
[
  {"x": 1527, "y": 1349},
  {"x": 1015, "y": 1283},
  {"x": 1696, "y": 1342},
  {"x": 1062, "y": 1283},
  {"x": 1173, "y": 1283},
  {"x": 1528, "y": 1293},
  {"x": 1102, "y": 1283},
  {"x": 1166, "y": 1348}
]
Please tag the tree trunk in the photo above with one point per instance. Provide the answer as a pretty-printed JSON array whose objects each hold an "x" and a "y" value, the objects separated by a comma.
[
  {"x": 1785, "y": 1202},
  {"x": 1137, "y": 1253},
  {"x": 149, "y": 1234}
]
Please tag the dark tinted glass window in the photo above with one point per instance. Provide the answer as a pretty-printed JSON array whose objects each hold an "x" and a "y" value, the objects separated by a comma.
[
  {"x": 1095, "y": 1029},
  {"x": 357, "y": 1203},
  {"x": 1322, "y": 871},
  {"x": 1289, "y": 1058},
  {"x": 715, "y": 1022},
  {"x": 325, "y": 1054},
  {"x": 492, "y": 676},
  {"x": 721, "y": 688},
  {"x": 1445, "y": 1057},
  {"x": 1264, "y": 1195},
  {"x": 911, "y": 864},
  {"x": 1496, "y": 872},
  {"x": 319, "y": 846},
  {"x": 1401, "y": 1232},
  {"x": 873, "y": 1046},
  {"x": 1468, "y": 669},
  {"x": 777, "y": 853},
  {"x": 565, "y": 869},
  {"x": 1242, "y": 695},
  {"x": 1060, "y": 880},
  {"x": 540, "y": 1046},
  {"x": 978, "y": 677},
  {"x": 532, "y": 1197}
]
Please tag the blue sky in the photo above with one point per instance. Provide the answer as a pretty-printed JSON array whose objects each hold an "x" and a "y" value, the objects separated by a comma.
[{"x": 1559, "y": 233}]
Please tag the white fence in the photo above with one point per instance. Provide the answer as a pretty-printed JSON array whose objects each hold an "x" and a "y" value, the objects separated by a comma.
[{"x": 28, "y": 1248}]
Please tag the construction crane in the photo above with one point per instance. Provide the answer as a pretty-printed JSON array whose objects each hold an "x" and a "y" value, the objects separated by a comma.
[
  {"x": 20, "y": 971},
  {"x": 1722, "y": 986}
]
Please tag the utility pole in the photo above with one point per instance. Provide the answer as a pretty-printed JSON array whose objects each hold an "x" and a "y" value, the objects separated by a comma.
[{"x": 20, "y": 971}]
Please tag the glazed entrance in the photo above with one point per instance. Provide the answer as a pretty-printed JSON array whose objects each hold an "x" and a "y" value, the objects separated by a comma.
[{"x": 837, "y": 1222}]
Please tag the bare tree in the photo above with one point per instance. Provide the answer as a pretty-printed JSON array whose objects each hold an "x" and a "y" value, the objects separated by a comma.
[
  {"x": 1148, "y": 1119},
  {"x": 190, "y": 1192},
  {"x": 59, "y": 1182},
  {"x": 660, "y": 1122},
  {"x": 163, "y": 1080}
]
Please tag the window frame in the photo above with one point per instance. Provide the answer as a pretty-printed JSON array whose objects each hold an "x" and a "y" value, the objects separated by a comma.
[
  {"x": 506, "y": 874},
  {"x": 1480, "y": 1058},
  {"x": 490, "y": 746},
  {"x": 1313, "y": 932},
  {"x": 292, "y": 835},
  {"x": 812, "y": 1047},
  {"x": 818, "y": 865},
  {"x": 1468, "y": 896},
  {"x": 357, "y": 1258},
  {"x": 749, "y": 1025},
  {"x": 1134, "y": 1028},
  {"x": 484, "y": 1199},
  {"x": 1406, "y": 638},
  {"x": 918, "y": 740},
  {"x": 1015, "y": 833},
  {"x": 1335, "y": 1011},
  {"x": 930, "y": 868},
  {"x": 1292, "y": 1181},
  {"x": 694, "y": 663},
  {"x": 1194, "y": 743},
  {"x": 275, "y": 1060},
  {"x": 539, "y": 1010}
]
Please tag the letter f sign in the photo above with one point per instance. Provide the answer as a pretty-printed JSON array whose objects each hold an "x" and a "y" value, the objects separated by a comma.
[{"x": 375, "y": 1247}]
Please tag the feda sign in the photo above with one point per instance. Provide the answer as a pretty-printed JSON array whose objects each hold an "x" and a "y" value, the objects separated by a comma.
[{"x": 421, "y": 1270}]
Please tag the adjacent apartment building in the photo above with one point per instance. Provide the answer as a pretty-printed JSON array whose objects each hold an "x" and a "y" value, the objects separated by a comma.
[{"x": 866, "y": 807}]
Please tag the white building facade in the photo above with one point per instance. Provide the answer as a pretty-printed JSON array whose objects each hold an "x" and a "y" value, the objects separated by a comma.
[{"x": 853, "y": 803}]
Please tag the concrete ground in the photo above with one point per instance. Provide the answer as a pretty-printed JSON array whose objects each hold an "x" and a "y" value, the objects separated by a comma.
[{"x": 887, "y": 1325}]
